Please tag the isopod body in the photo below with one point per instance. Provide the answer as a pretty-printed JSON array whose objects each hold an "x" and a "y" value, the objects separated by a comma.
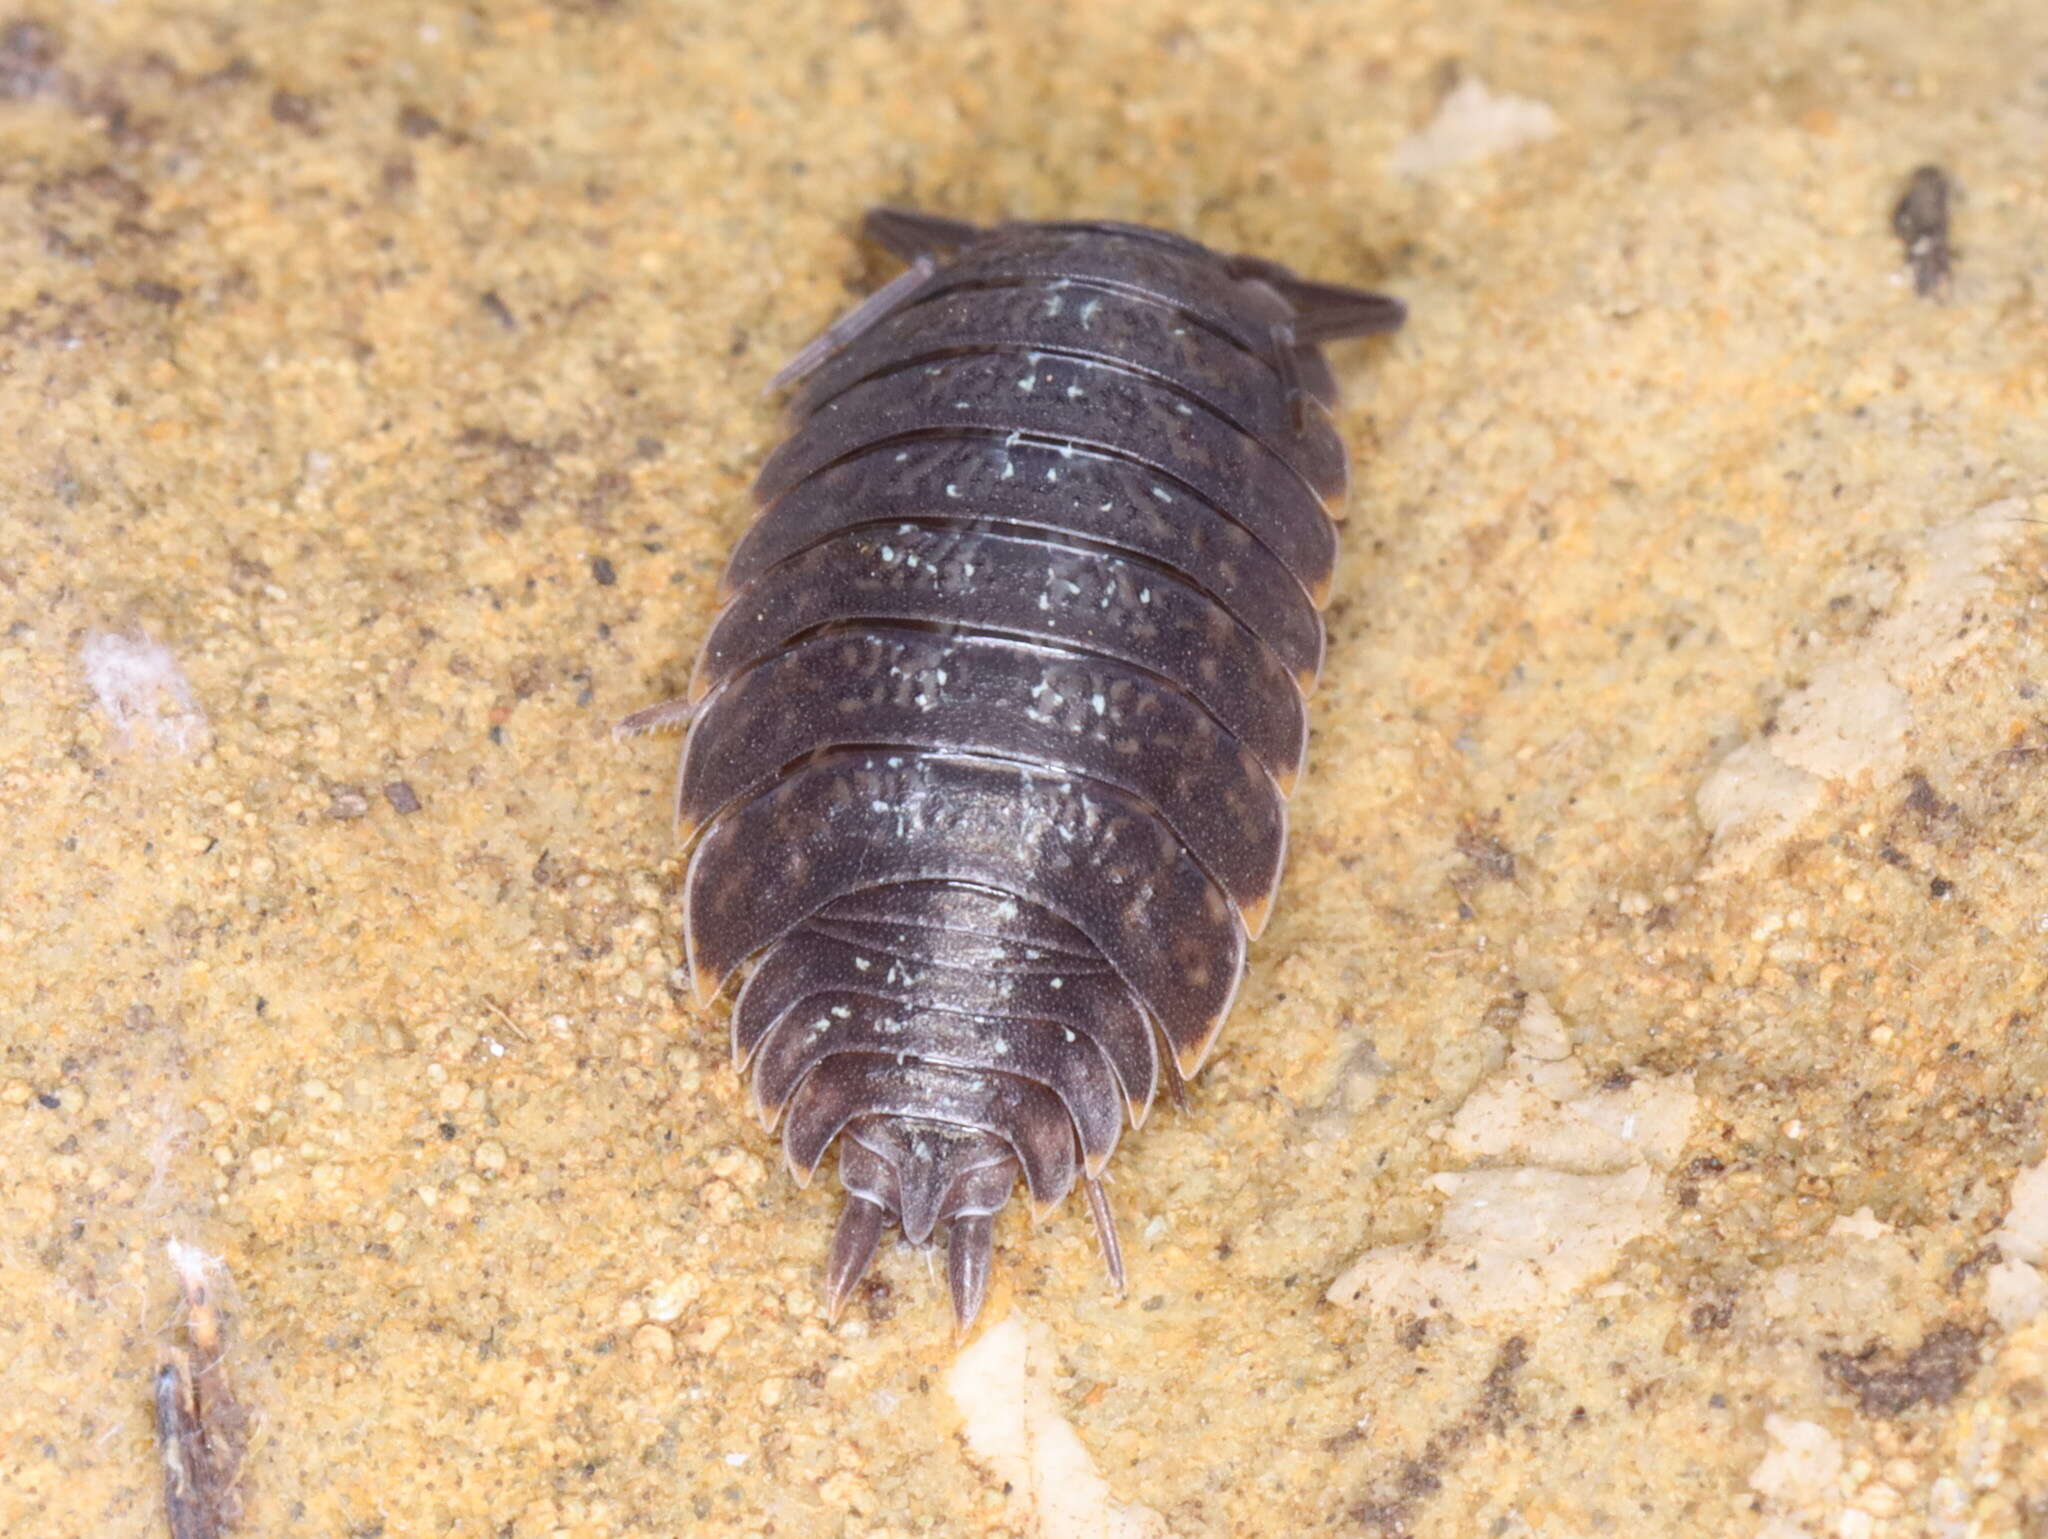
[{"x": 989, "y": 746}]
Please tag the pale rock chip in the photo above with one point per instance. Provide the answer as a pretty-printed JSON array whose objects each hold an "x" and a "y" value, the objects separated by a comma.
[
  {"x": 1002, "y": 1385},
  {"x": 1473, "y": 123},
  {"x": 1851, "y": 720},
  {"x": 1515, "y": 1239}
]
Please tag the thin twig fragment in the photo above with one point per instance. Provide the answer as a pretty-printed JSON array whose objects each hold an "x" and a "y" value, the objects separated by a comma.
[
  {"x": 1920, "y": 220},
  {"x": 202, "y": 1430}
]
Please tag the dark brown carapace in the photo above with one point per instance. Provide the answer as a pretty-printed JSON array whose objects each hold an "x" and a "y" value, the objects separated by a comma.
[{"x": 989, "y": 746}]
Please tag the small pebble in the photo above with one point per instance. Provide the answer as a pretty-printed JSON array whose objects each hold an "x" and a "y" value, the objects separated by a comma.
[
  {"x": 489, "y": 1157},
  {"x": 712, "y": 1335},
  {"x": 404, "y": 800},
  {"x": 671, "y": 1299},
  {"x": 1879, "y": 1500},
  {"x": 605, "y": 573},
  {"x": 651, "y": 1341},
  {"x": 345, "y": 802}
]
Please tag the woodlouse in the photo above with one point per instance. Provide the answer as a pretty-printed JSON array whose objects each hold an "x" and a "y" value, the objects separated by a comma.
[{"x": 989, "y": 744}]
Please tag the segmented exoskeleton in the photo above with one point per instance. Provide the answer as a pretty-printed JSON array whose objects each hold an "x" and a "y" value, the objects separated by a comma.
[{"x": 989, "y": 746}]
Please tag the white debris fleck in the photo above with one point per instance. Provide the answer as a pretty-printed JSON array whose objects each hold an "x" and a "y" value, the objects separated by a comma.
[
  {"x": 2015, "y": 1294},
  {"x": 1472, "y": 123},
  {"x": 1863, "y": 1224},
  {"x": 198, "y": 1270},
  {"x": 1543, "y": 1112},
  {"x": 1803, "y": 1465},
  {"x": 1002, "y": 1385},
  {"x": 137, "y": 683},
  {"x": 2015, "y": 1291},
  {"x": 2024, "y": 1234}
]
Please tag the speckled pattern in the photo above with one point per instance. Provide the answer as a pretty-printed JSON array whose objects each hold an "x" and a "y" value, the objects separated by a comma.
[{"x": 395, "y": 370}]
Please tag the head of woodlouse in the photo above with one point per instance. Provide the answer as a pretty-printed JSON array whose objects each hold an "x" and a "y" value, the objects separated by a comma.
[{"x": 989, "y": 745}]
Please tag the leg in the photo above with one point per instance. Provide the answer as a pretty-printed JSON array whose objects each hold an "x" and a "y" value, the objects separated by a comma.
[
  {"x": 668, "y": 716},
  {"x": 1324, "y": 312},
  {"x": 863, "y": 317},
  {"x": 1176, "y": 1084},
  {"x": 908, "y": 235},
  {"x": 1287, "y": 359},
  {"x": 1105, "y": 1233}
]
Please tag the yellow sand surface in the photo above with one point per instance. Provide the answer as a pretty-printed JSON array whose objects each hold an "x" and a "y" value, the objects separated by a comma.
[{"x": 379, "y": 388}]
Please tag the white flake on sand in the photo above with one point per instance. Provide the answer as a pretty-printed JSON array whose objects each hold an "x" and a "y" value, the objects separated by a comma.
[
  {"x": 198, "y": 1271},
  {"x": 2015, "y": 1294},
  {"x": 2015, "y": 1291},
  {"x": 137, "y": 682},
  {"x": 1508, "y": 1240},
  {"x": 1803, "y": 1466},
  {"x": 1851, "y": 719},
  {"x": 1529, "y": 1235},
  {"x": 1541, "y": 1110},
  {"x": 2024, "y": 1234},
  {"x": 1863, "y": 1224},
  {"x": 1002, "y": 1385},
  {"x": 1472, "y": 123}
]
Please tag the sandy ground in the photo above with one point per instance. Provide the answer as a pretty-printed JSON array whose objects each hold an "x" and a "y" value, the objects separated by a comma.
[{"x": 1650, "y": 1040}]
